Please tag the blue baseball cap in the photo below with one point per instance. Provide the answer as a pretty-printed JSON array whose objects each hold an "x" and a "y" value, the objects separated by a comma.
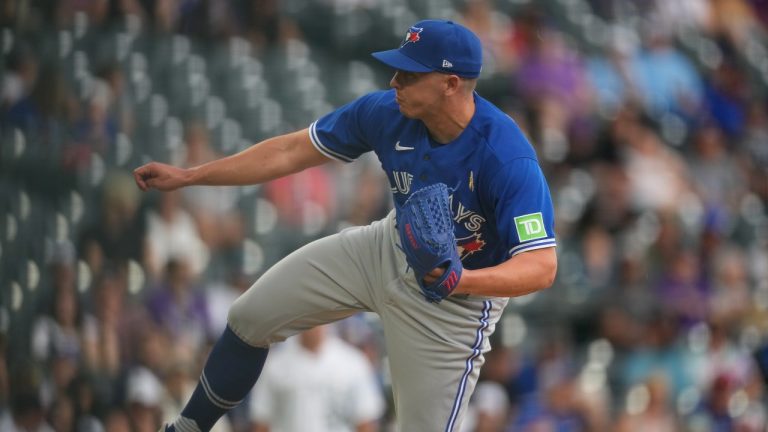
[{"x": 435, "y": 45}]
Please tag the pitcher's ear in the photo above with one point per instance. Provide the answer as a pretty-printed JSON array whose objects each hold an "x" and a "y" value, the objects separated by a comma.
[{"x": 453, "y": 84}]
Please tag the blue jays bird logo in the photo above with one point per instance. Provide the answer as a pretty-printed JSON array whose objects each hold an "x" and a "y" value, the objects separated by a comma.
[
  {"x": 469, "y": 245},
  {"x": 412, "y": 35}
]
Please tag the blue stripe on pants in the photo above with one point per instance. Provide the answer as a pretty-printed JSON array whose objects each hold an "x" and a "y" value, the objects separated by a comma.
[{"x": 476, "y": 351}]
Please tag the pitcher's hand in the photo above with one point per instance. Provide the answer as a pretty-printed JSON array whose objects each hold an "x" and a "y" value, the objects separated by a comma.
[
  {"x": 433, "y": 275},
  {"x": 160, "y": 176}
]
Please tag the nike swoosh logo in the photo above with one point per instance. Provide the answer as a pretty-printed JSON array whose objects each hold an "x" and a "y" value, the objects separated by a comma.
[{"x": 398, "y": 147}]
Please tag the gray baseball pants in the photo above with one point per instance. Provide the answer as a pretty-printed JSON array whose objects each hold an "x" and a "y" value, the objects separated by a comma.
[{"x": 435, "y": 351}]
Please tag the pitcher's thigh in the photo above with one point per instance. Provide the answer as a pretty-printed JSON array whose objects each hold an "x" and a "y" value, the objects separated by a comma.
[
  {"x": 314, "y": 285},
  {"x": 435, "y": 360}
]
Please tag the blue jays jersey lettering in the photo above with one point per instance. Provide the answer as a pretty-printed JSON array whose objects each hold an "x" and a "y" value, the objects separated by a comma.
[{"x": 500, "y": 200}]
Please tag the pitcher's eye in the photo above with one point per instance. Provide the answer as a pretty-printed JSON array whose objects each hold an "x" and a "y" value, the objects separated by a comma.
[{"x": 405, "y": 78}]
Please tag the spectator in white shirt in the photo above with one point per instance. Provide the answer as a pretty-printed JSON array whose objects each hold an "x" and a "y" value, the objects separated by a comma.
[{"x": 316, "y": 382}]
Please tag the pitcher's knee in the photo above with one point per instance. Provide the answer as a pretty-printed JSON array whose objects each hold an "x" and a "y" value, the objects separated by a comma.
[{"x": 244, "y": 321}]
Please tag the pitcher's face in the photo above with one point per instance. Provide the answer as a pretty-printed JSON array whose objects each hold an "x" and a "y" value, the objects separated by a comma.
[{"x": 418, "y": 93}]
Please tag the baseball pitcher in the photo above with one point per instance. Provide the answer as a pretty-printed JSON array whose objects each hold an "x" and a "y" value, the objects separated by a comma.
[{"x": 472, "y": 226}]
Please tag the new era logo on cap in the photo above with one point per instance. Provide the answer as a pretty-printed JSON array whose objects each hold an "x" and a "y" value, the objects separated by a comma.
[{"x": 428, "y": 46}]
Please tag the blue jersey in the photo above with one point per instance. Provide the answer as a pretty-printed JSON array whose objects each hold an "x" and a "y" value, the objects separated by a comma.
[{"x": 501, "y": 202}]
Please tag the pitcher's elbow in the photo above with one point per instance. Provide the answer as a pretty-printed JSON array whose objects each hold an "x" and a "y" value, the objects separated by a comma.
[{"x": 549, "y": 274}]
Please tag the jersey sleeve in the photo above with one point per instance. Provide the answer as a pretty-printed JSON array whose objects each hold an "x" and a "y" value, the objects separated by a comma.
[
  {"x": 342, "y": 134},
  {"x": 523, "y": 206}
]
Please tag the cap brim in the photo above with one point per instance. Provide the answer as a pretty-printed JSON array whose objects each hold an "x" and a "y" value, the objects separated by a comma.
[{"x": 397, "y": 60}]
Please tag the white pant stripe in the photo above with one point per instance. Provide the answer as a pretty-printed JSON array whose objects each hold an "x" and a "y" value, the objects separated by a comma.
[{"x": 476, "y": 350}]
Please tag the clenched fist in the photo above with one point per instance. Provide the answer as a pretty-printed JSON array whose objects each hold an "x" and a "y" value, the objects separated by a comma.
[{"x": 160, "y": 176}]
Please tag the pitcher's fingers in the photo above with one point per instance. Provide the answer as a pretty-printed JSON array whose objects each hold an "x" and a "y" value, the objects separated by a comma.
[
  {"x": 436, "y": 272},
  {"x": 137, "y": 175},
  {"x": 432, "y": 276}
]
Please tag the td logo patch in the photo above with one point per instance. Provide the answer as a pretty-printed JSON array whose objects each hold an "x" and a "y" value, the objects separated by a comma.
[{"x": 530, "y": 227}]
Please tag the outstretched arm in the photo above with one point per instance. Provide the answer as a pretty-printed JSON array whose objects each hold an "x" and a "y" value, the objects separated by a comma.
[
  {"x": 522, "y": 274},
  {"x": 270, "y": 159}
]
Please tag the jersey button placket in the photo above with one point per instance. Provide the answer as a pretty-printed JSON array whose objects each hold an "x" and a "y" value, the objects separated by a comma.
[{"x": 423, "y": 177}]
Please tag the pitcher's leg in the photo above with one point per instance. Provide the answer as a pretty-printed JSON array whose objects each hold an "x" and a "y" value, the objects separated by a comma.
[
  {"x": 320, "y": 283},
  {"x": 230, "y": 372},
  {"x": 435, "y": 354},
  {"x": 324, "y": 281}
]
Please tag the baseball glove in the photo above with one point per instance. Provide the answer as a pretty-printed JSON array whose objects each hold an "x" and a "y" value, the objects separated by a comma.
[{"x": 425, "y": 226}]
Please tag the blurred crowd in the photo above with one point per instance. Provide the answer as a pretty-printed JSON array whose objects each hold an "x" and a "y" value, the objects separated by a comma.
[{"x": 650, "y": 119}]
